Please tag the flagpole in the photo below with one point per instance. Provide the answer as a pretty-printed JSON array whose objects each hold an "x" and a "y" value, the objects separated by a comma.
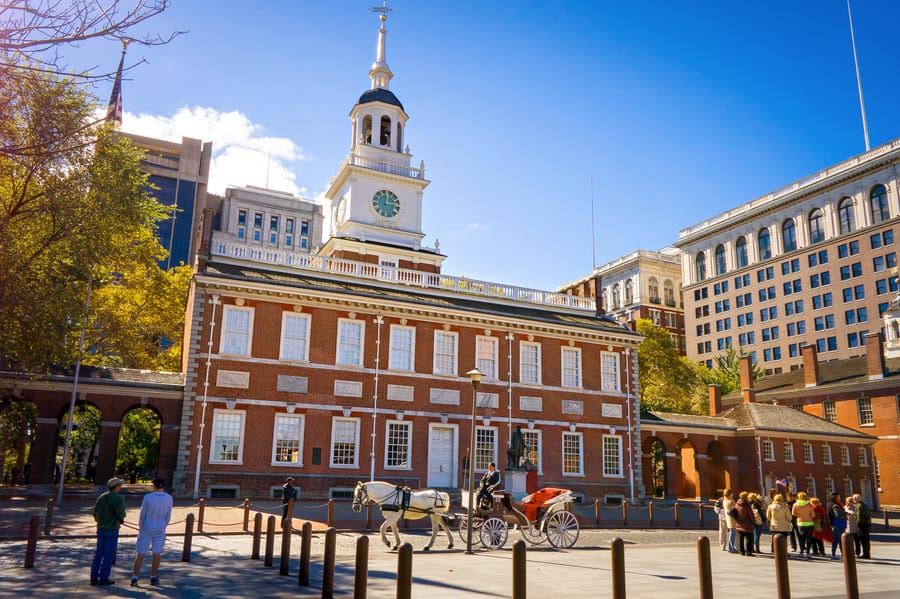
[{"x": 862, "y": 104}]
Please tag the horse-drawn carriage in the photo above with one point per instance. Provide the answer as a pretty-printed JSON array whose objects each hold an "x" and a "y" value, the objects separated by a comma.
[{"x": 545, "y": 514}]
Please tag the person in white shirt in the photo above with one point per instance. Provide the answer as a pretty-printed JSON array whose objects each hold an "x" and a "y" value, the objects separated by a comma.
[{"x": 156, "y": 512}]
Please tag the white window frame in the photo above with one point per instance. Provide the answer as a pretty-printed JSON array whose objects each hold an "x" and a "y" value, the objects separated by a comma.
[
  {"x": 526, "y": 350},
  {"x": 863, "y": 454},
  {"x": 218, "y": 415},
  {"x": 768, "y": 451},
  {"x": 845, "y": 456},
  {"x": 829, "y": 410},
  {"x": 620, "y": 472},
  {"x": 387, "y": 443},
  {"x": 788, "y": 451},
  {"x": 339, "y": 352},
  {"x": 809, "y": 456},
  {"x": 300, "y": 427},
  {"x": 847, "y": 483},
  {"x": 283, "y": 349},
  {"x": 227, "y": 336},
  {"x": 580, "y": 446},
  {"x": 441, "y": 353},
  {"x": 864, "y": 411},
  {"x": 811, "y": 488},
  {"x": 535, "y": 447},
  {"x": 481, "y": 433},
  {"x": 487, "y": 356},
  {"x": 827, "y": 455},
  {"x": 396, "y": 350},
  {"x": 610, "y": 367},
  {"x": 829, "y": 485},
  {"x": 335, "y": 422},
  {"x": 571, "y": 372}
]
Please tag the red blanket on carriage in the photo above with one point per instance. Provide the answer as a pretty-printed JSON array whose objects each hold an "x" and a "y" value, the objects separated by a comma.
[{"x": 536, "y": 500}]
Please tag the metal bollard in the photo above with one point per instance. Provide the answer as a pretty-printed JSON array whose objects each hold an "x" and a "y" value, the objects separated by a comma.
[
  {"x": 329, "y": 520},
  {"x": 34, "y": 527},
  {"x": 52, "y": 502},
  {"x": 703, "y": 563},
  {"x": 305, "y": 542},
  {"x": 270, "y": 541},
  {"x": 887, "y": 522},
  {"x": 328, "y": 563},
  {"x": 624, "y": 513},
  {"x": 782, "y": 580},
  {"x": 202, "y": 510},
  {"x": 700, "y": 513},
  {"x": 677, "y": 516},
  {"x": 597, "y": 511},
  {"x": 404, "y": 571},
  {"x": 519, "y": 573},
  {"x": 361, "y": 573},
  {"x": 284, "y": 565},
  {"x": 650, "y": 510},
  {"x": 246, "y": 514},
  {"x": 188, "y": 538},
  {"x": 851, "y": 584},
  {"x": 290, "y": 508},
  {"x": 618, "y": 568},
  {"x": 257, "y": 533}
]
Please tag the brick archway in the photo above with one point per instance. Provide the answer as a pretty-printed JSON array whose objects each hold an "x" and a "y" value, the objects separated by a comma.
[{"x": 688, "y": 476}]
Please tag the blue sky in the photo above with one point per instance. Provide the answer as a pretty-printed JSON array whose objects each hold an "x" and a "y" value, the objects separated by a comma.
[{"x": 678, "y": 111}]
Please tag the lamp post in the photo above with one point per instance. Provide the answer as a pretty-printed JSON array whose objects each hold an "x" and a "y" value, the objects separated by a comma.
[{"x": 475, "y": 376}]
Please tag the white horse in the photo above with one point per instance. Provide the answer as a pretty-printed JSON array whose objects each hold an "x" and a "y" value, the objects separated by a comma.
[{"x": 396, "y": 502}]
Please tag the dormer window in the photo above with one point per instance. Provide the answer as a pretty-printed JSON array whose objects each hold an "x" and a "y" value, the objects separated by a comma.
[{"x": 385, "y": 131}]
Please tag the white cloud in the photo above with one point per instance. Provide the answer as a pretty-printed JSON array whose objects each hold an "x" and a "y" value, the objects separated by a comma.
[{"x": 242, "y": 155}]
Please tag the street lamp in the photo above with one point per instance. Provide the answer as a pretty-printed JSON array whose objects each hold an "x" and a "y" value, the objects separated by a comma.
[{"x": 475, "y": 376}]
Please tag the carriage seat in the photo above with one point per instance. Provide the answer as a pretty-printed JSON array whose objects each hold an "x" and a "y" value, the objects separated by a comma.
[{"x": 534, "y": 502}]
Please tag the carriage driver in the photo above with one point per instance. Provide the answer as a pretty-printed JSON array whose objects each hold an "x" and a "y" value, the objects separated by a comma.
[{"x": 489, "y": 482}]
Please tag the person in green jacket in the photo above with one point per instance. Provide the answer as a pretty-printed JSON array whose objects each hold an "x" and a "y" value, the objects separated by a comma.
[{"x": 109, "y": 514}]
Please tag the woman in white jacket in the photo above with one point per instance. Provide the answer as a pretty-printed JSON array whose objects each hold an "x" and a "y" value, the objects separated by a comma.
[
  {"x": 778, "y": 515},
  {"x": 728, "y": 505}
]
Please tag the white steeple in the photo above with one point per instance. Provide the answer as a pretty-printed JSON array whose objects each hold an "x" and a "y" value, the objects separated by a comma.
[{"x": 380, "y": 73}]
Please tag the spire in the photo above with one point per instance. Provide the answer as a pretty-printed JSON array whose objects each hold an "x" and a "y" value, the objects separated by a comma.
[
  {"x": 380, "y": 73},
  {"x": 114, "y": 109}
]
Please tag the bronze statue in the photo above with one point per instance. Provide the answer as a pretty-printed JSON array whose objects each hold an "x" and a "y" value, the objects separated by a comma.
[{"x": 516, "y": 449}]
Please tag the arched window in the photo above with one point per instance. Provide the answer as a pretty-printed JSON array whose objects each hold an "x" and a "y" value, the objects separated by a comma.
[
  {"x": 845, "y": 214},
  {"x": 367, "y": 129},
  {"x": 653, "y": 289},
  {"x": 669, "y": 291},
  {"x": 629, "y": 292},
  {"x": 385, "y": 131},
  {"x": 617, "y": 301},
  {"x": 789, "y": 235},
  {"x": 878, "y": 198},
  {"x": 604, "y": 299},
  {"x": 740, "y": 250},
  {"x": 816, "y": 226},
  {"x": 700, "y": 263},
  {"x": 720, "y": 259},
  {"x": 399, "y": 137},
  {"x": 765, "y": 244}
]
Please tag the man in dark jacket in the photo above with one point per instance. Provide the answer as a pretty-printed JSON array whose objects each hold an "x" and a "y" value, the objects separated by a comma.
[
  {"x": 489, "y": 481},
  {"x": 864, "y": 524},
  {"x": 109, "y": 514},
  {"x": 288, "y": 492}
]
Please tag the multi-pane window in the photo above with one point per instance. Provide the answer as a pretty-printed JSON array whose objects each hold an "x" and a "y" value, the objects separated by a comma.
[
  {"x": 764, "y": 243},
  {"x": 344, "y": 442},
  {"x": 829, "y": 485},
  {"x": 228, "y": 433},
  {"x": 808, "y": 453},
  {"x": 848, "y": 486},
  {"x": 530, "y": 362},
  {"x": 485, "y": 447},
  {"x": 845, "y": 455},
  {"x": 350, "y": 342},
  {"x": 826, "y": 454},
  {"x": 273, "y": 229},
  {"x": 864, "y": 407},
  {"x": 257, "y": 226},
  {"x": 788, "y": 451},
  {"x": 402, "y": 348},
  {"x": 486, "y": 356},
  {"x": 811, "y": 486},
  {"x": 287, "y": 440},
  {"x": 399, "y": 442},
  {"x": 612, "y": 455},
  {"x": 532, "y": 440},
  {"x": 863, "y": 456},
  {"x": 816, "y": 226},
  {"x": 720, "y": 259},
  {"x": 829, "y": 410},
  {"x": 289, "y": 232},
  {"x": 241, "y": 231},
  {"x": 789, "y": 236},
  {"x": 236, "y": 330},
  {"x": 573, "y": 461},
  {"x": 571, "y": 367},
  {"x": 768, "y": 451},
  {"x": 609, "y": 371},
  {"x": 294, "y": 336},
  {"x": 879, "y": 204},
  {"x": 304, "y": 234},
  {"x": 445, "y": 352},
  {"x": 845, "y": 216}
]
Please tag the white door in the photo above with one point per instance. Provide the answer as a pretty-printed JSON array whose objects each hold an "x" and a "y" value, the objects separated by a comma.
[{"x": 440, "y": 456}]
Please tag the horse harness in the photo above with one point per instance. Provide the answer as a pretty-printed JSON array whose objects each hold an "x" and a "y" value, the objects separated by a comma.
[{"x": 398, "y": 501}]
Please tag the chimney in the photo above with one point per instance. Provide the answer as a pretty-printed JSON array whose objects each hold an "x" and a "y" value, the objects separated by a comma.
[
  {"x": 598, "y": 294},
  {"x": 810, "y": 365},
  {"x": 715, "y": 400},
  {"x": 874, "y": 356},
  {"x": 204, "y": 252},
  {"x": 746, "y": 370}
]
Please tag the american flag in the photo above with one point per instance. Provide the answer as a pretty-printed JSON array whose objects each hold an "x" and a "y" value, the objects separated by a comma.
[{"x": 114, "y": 110}]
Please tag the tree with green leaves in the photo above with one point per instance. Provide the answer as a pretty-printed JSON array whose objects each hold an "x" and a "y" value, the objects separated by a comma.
[
  {"x": 139, "y": 443},
  {"x": 668, "y": 380},
  {"x": 726, "y": 371}
]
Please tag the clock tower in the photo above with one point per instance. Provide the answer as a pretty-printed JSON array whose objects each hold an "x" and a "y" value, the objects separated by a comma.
[{"x": 376, "y": 196}]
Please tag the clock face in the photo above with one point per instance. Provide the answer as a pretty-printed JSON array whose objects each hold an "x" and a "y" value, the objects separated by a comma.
[
  {"x": 341, "y": 212},
  {"x": 386, "y": 203}
]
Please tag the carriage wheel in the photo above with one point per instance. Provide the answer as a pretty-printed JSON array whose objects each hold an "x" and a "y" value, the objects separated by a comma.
[
  {"x": 494, "y": 533},
  {"x": 562, "y": 529},
  {"x": 532, "y": 533},
  {"x": 464, "y": 528}
]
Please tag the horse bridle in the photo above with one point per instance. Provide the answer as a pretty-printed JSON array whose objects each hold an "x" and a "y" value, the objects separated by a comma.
[{"x": 360, "y": 496}]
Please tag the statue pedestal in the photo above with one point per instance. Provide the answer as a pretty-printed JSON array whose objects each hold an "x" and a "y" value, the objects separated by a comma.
[{"x": 514, "y": 483}]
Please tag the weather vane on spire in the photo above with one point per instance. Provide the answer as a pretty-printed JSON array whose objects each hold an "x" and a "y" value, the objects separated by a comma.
[{"x": 384, "y": 9}]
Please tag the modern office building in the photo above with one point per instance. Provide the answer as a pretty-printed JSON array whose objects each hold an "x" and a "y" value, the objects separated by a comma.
[
  {"x": 642, "y": 284},
  {"x": 810, "y": 263}
]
